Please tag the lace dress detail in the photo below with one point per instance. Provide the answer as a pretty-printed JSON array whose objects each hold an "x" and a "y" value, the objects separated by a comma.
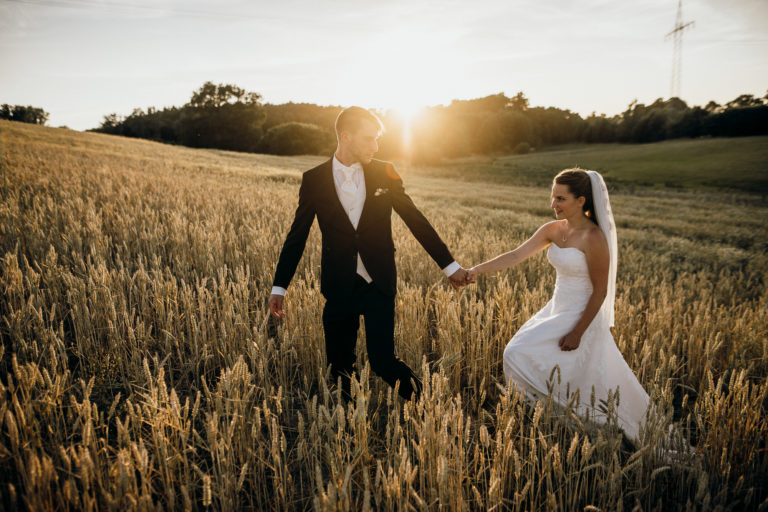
[{"x": 533, "y": 352}]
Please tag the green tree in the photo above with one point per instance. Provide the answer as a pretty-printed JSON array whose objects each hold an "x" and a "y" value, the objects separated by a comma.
[
  {"x": 503, "y": 131},
  {"x": 518, "y": 102},
  {"x": 112, "y": 123},
  {"x": 492, "y": 103},
  {"x": 221, "y": 116},
  {"x": 712, "y": 107},
  {"x": 24, "y": 114},
  {"x": 297, "y": 139},
  {"x": 744, "y": 100},
  {"x": 217, "y": 96}
]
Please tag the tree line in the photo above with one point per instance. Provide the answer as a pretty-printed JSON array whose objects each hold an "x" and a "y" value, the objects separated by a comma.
[
  {"x": 24, "y": 114},
  {"x": 228, "y": 117},
  {"x": 498, "y": 124}
]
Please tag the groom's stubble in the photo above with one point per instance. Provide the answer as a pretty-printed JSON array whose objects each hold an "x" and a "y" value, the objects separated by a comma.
[{"x": 358, "y": 145}]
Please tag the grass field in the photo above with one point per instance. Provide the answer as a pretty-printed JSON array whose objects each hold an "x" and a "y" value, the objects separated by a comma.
[
  {"x": 136, "y": 371},
  {"x": 738, "y": 164}
]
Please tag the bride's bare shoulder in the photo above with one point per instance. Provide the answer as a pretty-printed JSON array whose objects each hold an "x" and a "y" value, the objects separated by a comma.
[
  {"x": 596, "y": 239},
  {"x": 552, "y": 226},
  {"x": 550, "y": 229}
]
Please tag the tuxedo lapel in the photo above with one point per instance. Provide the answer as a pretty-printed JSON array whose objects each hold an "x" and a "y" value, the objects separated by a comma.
[
  {"x": 370, "y": 187},
  {"x": 332, "y": 197}
]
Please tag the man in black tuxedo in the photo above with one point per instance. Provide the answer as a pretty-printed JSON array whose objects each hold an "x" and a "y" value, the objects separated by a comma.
[{"x": 352, "y": 195}]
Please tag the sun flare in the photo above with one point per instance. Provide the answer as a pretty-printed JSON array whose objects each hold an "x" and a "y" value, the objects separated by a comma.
[
  {"x": 413, "y": 63},
  {"x": 406, "y": 114}
]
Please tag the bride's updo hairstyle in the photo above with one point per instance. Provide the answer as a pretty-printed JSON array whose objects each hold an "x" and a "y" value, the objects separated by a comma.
[{"x": 580, "y": 185}]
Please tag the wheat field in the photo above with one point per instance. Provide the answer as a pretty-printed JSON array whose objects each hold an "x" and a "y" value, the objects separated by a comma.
[{"x": 137, "y": 370}]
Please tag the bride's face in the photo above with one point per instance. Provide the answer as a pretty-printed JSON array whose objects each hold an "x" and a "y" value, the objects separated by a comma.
[{"x": 565, "y": 204}]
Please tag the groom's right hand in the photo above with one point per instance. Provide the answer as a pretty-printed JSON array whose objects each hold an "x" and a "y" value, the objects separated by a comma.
[{"x": 276, "y": 306}]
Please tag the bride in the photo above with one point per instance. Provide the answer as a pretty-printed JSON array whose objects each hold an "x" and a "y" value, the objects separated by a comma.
[{"x": 573, "y": 330}]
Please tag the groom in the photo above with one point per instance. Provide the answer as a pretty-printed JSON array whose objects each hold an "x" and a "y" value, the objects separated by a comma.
[{"x": 352, "y": 195}]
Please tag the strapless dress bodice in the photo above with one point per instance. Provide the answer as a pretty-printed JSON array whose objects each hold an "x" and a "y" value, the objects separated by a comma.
[{"x": 572, "y": 285}]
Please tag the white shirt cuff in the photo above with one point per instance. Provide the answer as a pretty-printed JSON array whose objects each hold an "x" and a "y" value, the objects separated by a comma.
[
  {"x": 276, "y": 290},
  {"x": 451, "y": 269}
]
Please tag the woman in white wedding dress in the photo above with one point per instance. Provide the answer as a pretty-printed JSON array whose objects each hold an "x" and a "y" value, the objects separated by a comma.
[{"x": 573, "y": 330}]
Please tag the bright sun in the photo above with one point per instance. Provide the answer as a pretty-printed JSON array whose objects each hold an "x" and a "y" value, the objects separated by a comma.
[
  {"x": 407, "y": 110},
  {"x": 410, "y": 65}
]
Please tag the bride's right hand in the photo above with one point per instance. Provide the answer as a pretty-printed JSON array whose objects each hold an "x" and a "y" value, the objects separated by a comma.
[{"x": 471, "y": 275}]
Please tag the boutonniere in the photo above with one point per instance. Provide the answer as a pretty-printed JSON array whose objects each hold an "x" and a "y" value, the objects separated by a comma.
[{"x": 380, "y": 191}]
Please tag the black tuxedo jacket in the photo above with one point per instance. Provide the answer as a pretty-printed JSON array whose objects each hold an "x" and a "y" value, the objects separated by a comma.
[{"x": 341, "y": 241}]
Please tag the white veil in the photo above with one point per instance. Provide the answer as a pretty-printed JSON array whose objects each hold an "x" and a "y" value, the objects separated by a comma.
[{"x": 605, "y": 220}]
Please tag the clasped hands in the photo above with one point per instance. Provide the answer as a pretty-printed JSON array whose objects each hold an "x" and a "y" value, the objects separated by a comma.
[{"x": 462, "y": 277}]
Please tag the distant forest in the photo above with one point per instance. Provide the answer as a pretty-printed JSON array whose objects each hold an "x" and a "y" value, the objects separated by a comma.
[
  {"x": 228, "y": 117},
  {"x": 24, "y": 114}
]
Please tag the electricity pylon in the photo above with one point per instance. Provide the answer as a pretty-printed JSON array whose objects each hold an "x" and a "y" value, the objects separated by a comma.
[{"x": 677, "y": 57}]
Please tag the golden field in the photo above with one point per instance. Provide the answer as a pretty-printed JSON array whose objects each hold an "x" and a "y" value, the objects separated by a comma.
[{"x": 137, "y": 371}]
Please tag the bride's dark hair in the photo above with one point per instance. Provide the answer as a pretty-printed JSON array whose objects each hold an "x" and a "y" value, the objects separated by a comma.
[{"x": 580, "y": 185}]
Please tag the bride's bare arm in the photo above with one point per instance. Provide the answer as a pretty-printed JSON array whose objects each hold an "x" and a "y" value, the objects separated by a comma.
[
  {"x": 598, "y": 262},
  {"x": 540, "y": 240}
]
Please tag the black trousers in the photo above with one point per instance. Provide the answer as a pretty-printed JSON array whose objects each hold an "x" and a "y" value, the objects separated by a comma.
[{"x": 341, "y": 320}]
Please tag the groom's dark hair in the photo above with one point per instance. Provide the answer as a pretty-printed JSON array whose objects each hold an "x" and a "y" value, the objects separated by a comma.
[{"x": 349, "y": 120}]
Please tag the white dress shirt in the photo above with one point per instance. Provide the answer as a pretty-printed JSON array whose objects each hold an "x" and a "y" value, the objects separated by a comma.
[{"x": 350, "y": 187}]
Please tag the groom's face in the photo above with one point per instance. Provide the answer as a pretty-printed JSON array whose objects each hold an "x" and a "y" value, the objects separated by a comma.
[{"x": 363, "y": 142}]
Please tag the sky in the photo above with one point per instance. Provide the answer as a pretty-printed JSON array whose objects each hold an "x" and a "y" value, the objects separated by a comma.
[{"x": 83, "y": 59}]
